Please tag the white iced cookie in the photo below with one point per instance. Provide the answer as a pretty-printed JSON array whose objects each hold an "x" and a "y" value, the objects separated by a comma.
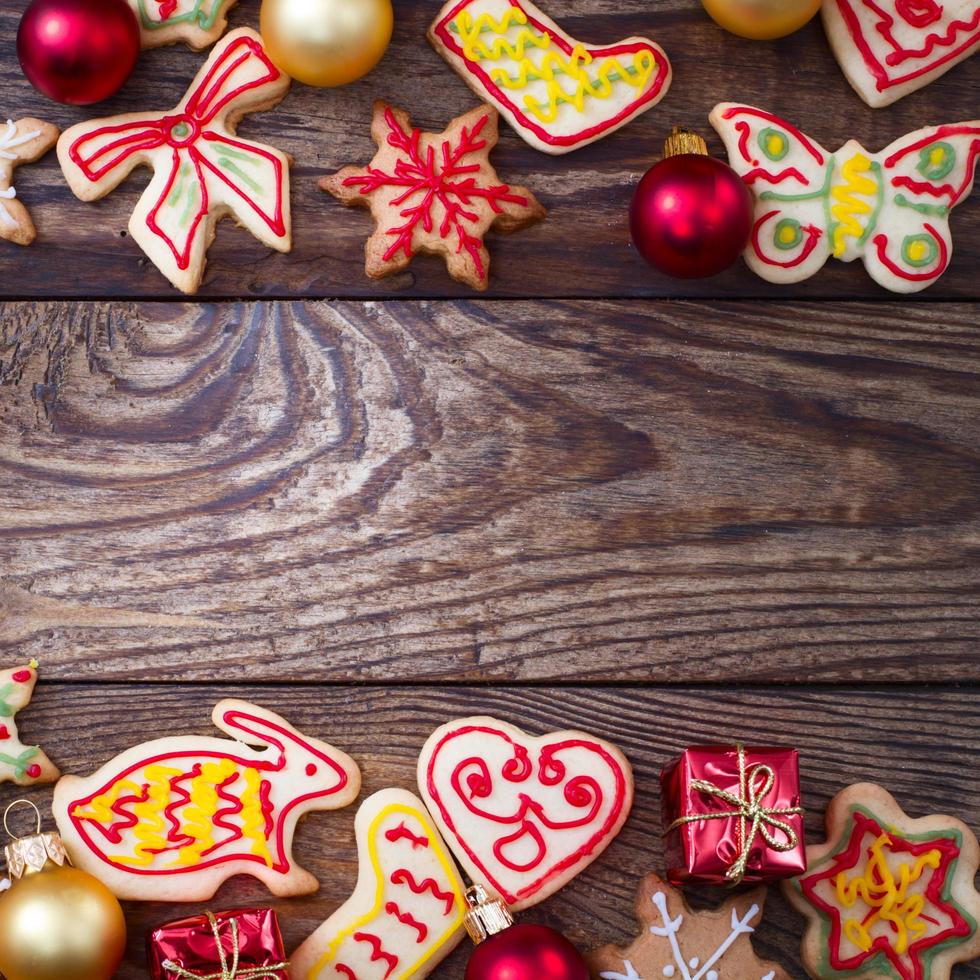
[
  {"x": 558, "y": 93},
  {"x": 889, "y": 209},
  {"x": 406, "y": 913},
  {"x": 889, "y": 48},
  {"x": 198, "y": 23},
  {"x": 172, "y": 819},
  {"x": 202, "y": 171},
  {"x": 523, "y": 814}
]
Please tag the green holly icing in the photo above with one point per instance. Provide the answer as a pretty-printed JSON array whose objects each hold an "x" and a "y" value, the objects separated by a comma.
[
  {"x": 19, "y": 763},
  {"x": 203, "y": 13}
]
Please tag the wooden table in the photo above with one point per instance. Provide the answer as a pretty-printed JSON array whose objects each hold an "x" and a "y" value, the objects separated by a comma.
[{"x": 666, "y": 512}]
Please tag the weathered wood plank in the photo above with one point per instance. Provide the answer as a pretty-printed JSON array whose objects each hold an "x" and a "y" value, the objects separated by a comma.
[
  {"x": 491, "y": 491},
  {"x": 582, "y": 249},
  {"x": 844, "y": 735}
]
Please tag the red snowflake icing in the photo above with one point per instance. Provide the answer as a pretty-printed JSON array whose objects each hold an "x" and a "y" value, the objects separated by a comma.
[{"x": 433, "y": 179}]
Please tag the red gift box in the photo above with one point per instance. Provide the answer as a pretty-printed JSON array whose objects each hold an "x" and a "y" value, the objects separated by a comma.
[
  {"x": 733, "y": 814},
  {"x": 240, "y": 945}
]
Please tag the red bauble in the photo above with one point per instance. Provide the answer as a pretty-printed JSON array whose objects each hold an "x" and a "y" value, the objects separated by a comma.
[
  {"x": 526, "y": 952},
  {"x": 78, "y": 51},
  {"x": 691, "y": 216}
]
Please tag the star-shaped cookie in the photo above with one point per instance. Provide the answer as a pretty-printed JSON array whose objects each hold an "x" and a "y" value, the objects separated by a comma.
[
  {"x": 25, "y": 765},
  {"x": 434, "y": 192},
  {"x": 676, "y": 942},
  {"x": 21, "y": 142},
  {"x": 887, "y": 896}
]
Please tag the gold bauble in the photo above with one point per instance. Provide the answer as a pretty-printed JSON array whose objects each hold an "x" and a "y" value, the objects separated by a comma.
[
  {"x": 326, "y": 42},
  {"x": 56, "y": 922},
  {"x": 761, "y": 20}
]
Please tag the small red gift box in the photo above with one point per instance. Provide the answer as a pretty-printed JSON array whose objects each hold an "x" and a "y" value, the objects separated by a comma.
[
  {"x": 733, "y": 814},
  {"x": 240, "y": 945}
]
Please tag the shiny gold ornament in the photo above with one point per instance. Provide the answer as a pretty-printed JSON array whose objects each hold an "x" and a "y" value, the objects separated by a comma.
[
  {"x": 761, "y": 20},
  {"x": 326, "y": 42},
  {"x": 56, "y": 922}
]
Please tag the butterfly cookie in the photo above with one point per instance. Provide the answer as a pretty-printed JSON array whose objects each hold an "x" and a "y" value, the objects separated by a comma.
[{"x": 889, "y": 209}]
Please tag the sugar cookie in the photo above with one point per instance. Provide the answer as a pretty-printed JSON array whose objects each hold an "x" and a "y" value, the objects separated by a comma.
[
  {"x": 202, "y": 171},
  {"x": 172, "y": 819},
  {"x": 25, "y": 765},
  {"x": 523, "y": 814},
  {"x": 198, "y": 23},
  {"x": 21, "y": 142},
  {"x": 887, "y": 896}
]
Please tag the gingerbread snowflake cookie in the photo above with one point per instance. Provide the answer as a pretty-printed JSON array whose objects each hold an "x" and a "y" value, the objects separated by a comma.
[
  {"x": 676, "y": 942},
  {"x": 889, "y": 48},
  {"x": 888, "y": 896},
  {"x": 558, "y": 93},
  {"x": 434, "y": 192},
  {"x": 21, "y": 142},
  {"x": 22, "y": 764},
  {"x": 202, "y": 171},
  {"x": 198, "y": 23}
]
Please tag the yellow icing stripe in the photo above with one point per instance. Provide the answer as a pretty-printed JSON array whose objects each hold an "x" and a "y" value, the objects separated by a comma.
[
  {"x": 253, "y": 817},
  {"x": 198, "y": 816},
  {"x": 450, "y": 880},
  {"x": 849, "y": 207},
  {"x": 608, "y": 73},
  {"x": 879, "y": 890}
]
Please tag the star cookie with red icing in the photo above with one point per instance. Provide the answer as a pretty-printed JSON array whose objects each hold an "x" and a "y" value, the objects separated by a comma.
[
  {"x": 434, "y": 192},
  {"x": 888, "y": 896}
]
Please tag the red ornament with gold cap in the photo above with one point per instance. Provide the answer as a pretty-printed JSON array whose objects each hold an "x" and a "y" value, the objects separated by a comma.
[
  {"x": 56, "y": 922},
  {"x": 691, "y": 215},
  {"x": 506, "y": 950}
]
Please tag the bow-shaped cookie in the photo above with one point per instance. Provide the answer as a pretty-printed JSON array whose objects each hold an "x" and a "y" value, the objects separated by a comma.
[{"x": 202, "y": 171}]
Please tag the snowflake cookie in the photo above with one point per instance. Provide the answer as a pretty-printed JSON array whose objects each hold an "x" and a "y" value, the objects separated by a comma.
[
  {"x": 888, "y": 897},
  {"x": 558, "y": 93},
  {"x": 686, "y": 945},
  {"x": 202, "y": 171},
  {"x": 198, "y": 23},
  {"x": 21, "y": 142},
  {"x": 24, "y": 765},
  {"x": 434, "y": 192}
]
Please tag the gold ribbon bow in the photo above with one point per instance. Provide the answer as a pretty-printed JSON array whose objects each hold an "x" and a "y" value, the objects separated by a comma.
[
  {"x": 227, "y": 972},
  {"x": 748, "y": 809}
]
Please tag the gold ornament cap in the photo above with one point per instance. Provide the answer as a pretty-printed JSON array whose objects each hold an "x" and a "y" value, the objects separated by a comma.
[
  {"x": 684, "y": 141},
  {"x": 31, "y": 854},
  {"x": 485, "y": 916}
]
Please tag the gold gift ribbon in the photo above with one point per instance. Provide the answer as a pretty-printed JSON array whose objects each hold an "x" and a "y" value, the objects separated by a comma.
[
  {"x": 227, "y": 972},
  {"x": 748, "y": 809}
]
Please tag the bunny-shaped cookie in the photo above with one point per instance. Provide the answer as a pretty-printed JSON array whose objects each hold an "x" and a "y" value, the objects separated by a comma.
[{"x": 172, "y": 819}]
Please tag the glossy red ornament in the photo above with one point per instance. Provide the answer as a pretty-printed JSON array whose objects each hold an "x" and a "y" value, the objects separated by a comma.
[
  {"x": 78, "y": 51},
  {"x": 526, "y": 952},
  {"x": 692, "y": 214}
]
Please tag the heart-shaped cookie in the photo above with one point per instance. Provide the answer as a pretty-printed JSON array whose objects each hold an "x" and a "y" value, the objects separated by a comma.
[
  {"x": 558, "y": 93},
  {"x": 889, "y": 48},
  {"x": 523, "y": 814}
]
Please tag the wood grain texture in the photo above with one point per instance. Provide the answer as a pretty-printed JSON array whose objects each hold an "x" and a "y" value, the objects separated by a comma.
[
  {"x": 491, "y": 491},
  {"x": 582, "y": 249},
  {"x": 844, "y": 735}
]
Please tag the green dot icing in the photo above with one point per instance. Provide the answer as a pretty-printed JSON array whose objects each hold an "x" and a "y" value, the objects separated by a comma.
[
  {"x": 936, "y": 160},
  {"x": 787, "y": 234},
  {"x": 919, "y": 250},
  {"x": 774, "y": 143}
]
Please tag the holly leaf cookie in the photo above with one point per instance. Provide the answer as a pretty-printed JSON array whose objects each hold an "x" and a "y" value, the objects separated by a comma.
[
  {"x": 889, "y": 48},
  {"x": 889, "y": 209},
  {"x": 676, "y": 942},
  {"x": 523, "y": 814},
  {"x": 202, "y": 171},
  {"x": 888, "y": 896},
  {"x": 198, "y": 23},
  {"x": 25, "y": 765},
  {"x": 24, "y": 141},
  {"x": 406, "y": 913},
  {"x": 434, "y": 192},
  {"x": 558, "y": 93},
  {"x": 170, "y": 820}
]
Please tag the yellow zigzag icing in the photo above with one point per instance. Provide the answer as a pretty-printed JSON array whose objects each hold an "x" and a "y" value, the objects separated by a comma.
[
  {"x": 849, "y": 207},
  {"x": 610, "y": 71},
  {"x": 199, "y": 814}
]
